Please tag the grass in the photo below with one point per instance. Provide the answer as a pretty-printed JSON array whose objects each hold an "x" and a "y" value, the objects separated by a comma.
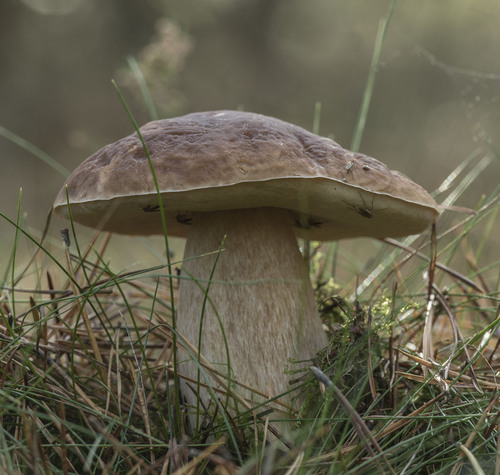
[
  {"x": 407, "y": 385},
  {"x": 87, "y": 376}
]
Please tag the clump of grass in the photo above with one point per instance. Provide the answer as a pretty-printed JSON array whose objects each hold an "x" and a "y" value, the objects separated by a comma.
[
  {"x": 86, "y": 377},
  {"x": 83, "y": 364},
  {"x": 422, "y": 414}
]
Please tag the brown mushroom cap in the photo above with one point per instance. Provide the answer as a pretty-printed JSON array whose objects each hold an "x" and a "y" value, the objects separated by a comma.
[{"x": 226, "y": 160}]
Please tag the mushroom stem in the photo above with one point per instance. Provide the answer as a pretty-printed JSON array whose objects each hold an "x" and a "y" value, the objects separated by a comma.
[{"x": 262, "y": 295}]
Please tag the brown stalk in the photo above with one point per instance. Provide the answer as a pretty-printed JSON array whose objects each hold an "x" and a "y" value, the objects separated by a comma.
[
  {"x": 142, "y": 403},
  {"x": 36, "y": 453},
  {"x": 396, "y": 425},
  {"x": 484, "y": 384},
  {"x": 125, "y": 450},
  {"x": 114, "y": 351},
  {"x": 83, "y": 312}
]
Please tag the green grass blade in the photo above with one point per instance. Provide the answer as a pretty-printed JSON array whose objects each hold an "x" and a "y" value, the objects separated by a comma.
[
  {"x": 11, "y": 136},
  {"x": 370, "y": 83}
]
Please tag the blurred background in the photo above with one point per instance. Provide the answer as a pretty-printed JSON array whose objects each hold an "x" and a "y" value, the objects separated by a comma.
[{"x": 435, "y": 100}]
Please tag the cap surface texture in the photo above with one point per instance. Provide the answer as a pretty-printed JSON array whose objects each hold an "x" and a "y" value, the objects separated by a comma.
[{"x": 226, "y": 160}]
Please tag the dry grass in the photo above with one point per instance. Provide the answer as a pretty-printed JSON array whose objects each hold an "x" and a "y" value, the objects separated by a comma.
[{"x": 408, "y": 383}]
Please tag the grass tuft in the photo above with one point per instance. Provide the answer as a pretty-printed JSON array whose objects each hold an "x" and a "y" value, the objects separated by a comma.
[{"x": 86, "y": 375}]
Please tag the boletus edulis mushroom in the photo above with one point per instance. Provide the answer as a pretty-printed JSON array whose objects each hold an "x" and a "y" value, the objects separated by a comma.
[{"x": 258, "y": 183}]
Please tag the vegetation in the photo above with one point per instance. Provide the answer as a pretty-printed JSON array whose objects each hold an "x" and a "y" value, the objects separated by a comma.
[
  {"x": 87, "y": 380},
  {"x": 408, "y": 383}
]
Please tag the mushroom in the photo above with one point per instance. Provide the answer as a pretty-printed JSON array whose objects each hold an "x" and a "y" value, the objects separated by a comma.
[{"x": 257, "y": 183}]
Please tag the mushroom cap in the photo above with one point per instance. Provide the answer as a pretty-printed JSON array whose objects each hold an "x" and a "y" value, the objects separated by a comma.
[{"x": 224, "y": 160}]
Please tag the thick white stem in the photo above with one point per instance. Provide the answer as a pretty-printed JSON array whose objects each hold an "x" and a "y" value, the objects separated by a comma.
[{"x": 262, "y": 295}]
